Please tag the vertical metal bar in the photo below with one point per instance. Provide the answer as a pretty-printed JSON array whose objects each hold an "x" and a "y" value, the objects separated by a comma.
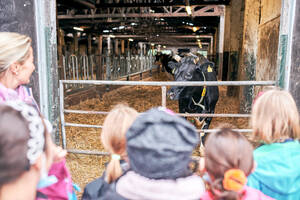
[
  {"x": 62, "y": 116},
  {"x": 84, "y": 67},
  {"x": 88, "y": 68},
  {"x": 221, "y": 43},
  {"x": 99, "y": 69},
  {"x": 76, "y": 65},
  {"x": 92, "y": 66},
  {"x": 64, "y": 67},
  {"x": 164, "y": 96}
]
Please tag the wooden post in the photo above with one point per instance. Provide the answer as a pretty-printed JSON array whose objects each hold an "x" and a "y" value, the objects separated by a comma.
[
  {"x": 89, "y": 44},
  {"x": 116, "y": 47},
  {"x": 122, "y": 46},
  {"x": 60, "y": 43},
  {"x": 75, "y": 44}
]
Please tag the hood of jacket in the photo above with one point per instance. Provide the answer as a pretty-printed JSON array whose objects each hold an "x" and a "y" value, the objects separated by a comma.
[{"x": 277, "y": 171}]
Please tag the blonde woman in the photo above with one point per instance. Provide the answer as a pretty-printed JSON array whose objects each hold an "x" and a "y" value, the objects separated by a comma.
[
  {"x": 113, "y": 138},
  {"x": 275, "y": 122},
  {"x": 16, "y": 67}
]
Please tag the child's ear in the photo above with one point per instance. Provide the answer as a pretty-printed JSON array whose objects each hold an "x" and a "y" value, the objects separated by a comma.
[
  {"x": 254, "y": 167},
  {"x": 38, "y": 164},
  {"x": 201, "y": 165}
]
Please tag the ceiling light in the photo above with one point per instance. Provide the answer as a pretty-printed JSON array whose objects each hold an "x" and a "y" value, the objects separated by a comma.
[
  {"x": 188, "y": 10},
  {"x": 157, "y": 35},
  {"x": 105, "y": 31},
  {"x": 191, "y": 24},
  {"x": 164, "y": 47},
  {"x": 195, "y": 28},
  {"x": 130, "y": 39},
  {"x": 114, "y": 28},
  {"x": 133, "y": 24},
  {"x": 78, "y": 28},
  {"x": 70, "y": 34},
  {"x": 121, "y": 27}
]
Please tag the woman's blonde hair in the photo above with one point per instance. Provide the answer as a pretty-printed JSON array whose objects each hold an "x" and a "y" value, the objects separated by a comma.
[
  {"x": 275, "y": 117},
  {"x": 14, "y": 47},
  {"x": 113, "y": 138}
]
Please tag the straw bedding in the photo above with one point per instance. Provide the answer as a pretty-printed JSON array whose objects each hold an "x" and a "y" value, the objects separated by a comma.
[{"x": 85, "y": 168}]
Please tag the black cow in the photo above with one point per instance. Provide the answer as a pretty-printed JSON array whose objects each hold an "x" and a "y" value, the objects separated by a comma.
[
  {"x": 164, "y": 59},
  {"x": 195, "y": 99}
]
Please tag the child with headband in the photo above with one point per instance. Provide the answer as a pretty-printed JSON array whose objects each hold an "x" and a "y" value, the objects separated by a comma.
[
  {"x": 275, "y": 123},
  {"x": 113, "y": 139},
  {"x": 24, "y": 151},
  {"x": 228, "y": 162}
]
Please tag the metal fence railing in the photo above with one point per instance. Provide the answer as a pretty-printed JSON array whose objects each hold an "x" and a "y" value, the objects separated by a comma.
[
  {"x": 163, "y": 86},
  {"x": 114, "y": 67}
]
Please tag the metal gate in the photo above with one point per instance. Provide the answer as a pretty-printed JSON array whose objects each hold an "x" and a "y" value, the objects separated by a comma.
[{"x": 163, "y": 86}]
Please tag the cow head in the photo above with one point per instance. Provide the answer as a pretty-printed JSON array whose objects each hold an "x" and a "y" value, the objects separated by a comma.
[{"x": 183, "y": 72}]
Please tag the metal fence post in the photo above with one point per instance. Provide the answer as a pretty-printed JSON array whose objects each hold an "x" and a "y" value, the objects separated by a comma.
[
  {"x": 164, "y": 96},
  {"x": 62, "y": 116}
]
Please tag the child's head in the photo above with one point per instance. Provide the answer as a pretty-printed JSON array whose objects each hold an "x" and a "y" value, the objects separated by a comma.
[
  {"x": 228, "y": 156},
  {"x": 22, "y": 143},
  {"x": 160, "y": 144},
  {"x": 113, "y": 137},
  {"x": 275, "y": 117}
]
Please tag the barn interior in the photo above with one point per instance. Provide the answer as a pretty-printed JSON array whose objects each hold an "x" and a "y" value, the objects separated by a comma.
[{"x": 240, "y": 37}]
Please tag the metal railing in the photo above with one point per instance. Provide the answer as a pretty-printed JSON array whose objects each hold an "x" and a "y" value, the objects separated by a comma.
[
  {"x": 163, "y": 86},
  {"x": 115, "y": 67}
]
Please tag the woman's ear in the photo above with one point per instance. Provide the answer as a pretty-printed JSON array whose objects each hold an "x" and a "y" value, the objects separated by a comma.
[{"x": 15, "y": 68}]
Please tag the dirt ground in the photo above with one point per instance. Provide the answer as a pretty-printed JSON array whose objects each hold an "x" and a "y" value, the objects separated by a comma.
[{"x": 85, "y": 168}]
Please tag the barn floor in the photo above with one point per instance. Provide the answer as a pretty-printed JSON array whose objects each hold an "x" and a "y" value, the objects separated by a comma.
[{"x": 85, "y": 168}]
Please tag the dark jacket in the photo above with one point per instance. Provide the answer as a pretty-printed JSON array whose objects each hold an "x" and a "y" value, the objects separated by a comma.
[{"x": 96, "y": 189}]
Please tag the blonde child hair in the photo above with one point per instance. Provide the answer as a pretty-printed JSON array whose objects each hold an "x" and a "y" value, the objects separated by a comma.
[
  {"x": 275, "y": 117},
  {"x": 115, "y": 126},
  {"x": 14, "y": 47},
  {"x": 229, "y": 160}
]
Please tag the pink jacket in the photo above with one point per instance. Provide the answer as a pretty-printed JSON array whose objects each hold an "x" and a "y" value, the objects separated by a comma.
[
  {"x": 250, "y": 194},
  {"x": 21, "y": 93}
]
